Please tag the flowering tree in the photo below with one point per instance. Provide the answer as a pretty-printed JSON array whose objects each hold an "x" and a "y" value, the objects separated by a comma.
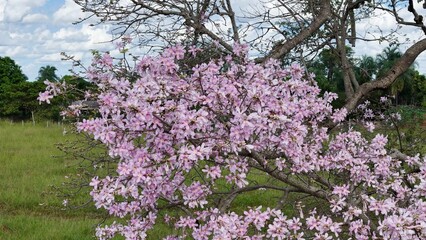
[{"x": 194, "y": 140}]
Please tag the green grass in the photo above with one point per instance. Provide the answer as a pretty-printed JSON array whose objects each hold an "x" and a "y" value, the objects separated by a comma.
[
  {"x": 24, "y": 226},
  {"x": 28, "y": 208}
]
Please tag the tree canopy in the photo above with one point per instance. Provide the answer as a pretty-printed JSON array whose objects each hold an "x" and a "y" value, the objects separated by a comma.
[
  {"x": 228, "y": 128},
  {"x": 47, "y": 73},
  {"x": 10, "y": 72},
  {"x": 11, "y": 76},
  {"x": 18, "y": 97}
]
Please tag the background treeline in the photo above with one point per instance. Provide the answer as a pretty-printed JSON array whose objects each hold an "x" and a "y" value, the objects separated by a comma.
[
  {"x": 408, "y": 89},
  {"x": 18, "y": 95}
]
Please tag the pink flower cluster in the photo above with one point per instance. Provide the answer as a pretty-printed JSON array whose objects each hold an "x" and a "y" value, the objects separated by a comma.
[
  {"x": 52, "y": 89},
  {"x": 184, "y": 139}
]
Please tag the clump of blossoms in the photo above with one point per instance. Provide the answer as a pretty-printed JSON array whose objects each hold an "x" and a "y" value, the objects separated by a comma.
[{"x": 191, "y": 139}]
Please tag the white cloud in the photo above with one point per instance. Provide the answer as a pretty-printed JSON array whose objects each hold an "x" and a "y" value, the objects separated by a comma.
[
  {"x": 2, "y": 10},
  {"x": 70, "y": 12},
  {"x": 29, "y": 68},
  {"x": 380, "y": 25},
  {"x": 5, "y": 39},
  {"x": 40, "y": 42},
  {"x": 22, "y": 38},
  {"x": 42, "y": 34},
  {"x": 71, "y": 34},
  {"x": 35, "y": 18},
  {"x": 15, "y": 10},
  {"x": 54, "y": 57},
  {"x": 76, "y": 39},
  {"x": 97, "y": 35},
  {"x": 15, "y": 51}
]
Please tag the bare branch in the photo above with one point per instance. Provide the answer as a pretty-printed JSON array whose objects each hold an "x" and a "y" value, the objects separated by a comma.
[{"x": 285, "y": 47}]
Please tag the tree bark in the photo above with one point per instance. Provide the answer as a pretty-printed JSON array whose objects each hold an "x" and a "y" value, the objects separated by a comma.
[{"x": 341, "y": 47}]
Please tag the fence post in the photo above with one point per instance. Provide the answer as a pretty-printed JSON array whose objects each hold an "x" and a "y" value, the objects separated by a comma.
[{"x": 32, "y": 117}]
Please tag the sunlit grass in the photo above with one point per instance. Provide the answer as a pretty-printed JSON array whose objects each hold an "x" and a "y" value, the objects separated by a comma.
[
  {"x": 24, "y": 226},
  {"x": 28, "y": 207}
]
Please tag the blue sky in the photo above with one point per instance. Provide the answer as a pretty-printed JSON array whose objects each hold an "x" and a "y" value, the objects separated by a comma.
[{"x": 35, "y": 32}]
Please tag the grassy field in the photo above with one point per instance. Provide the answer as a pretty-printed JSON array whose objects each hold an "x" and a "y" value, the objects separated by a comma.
[{"x": 28, "y": 208}]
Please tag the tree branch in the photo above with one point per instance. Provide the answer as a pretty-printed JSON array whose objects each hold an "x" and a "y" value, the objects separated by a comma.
[
  {"x": 406, "y": 60},
  {"x": 311, "y": 190},
  {"x": 285, "y": 47}
]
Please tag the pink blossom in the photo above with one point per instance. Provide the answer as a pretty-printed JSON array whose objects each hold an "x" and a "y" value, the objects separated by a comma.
[
  {"x": 339, "y": 115},
  {"x": 193, "y": 50},
  {"x": 213, "y": 172},
  {"x": 370, "y": 126},
  {"x": 44, "y": 97},
  {"x": 106, "y": 60},
  {"x": 383, "y": 99},
  {"x": 341, "y": 191},
  {"x": 194, "y": 195},
  {"x": 240, "y": 50}
]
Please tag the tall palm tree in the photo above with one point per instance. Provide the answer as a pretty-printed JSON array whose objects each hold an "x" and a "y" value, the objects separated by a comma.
[
  {"x": 47, "y": 73},
  {"x": 366, "y": 69},
  {"x": 386, "y": 60}
]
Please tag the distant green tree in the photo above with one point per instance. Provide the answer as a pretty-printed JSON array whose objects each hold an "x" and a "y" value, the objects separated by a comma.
[
  {"x": 77, "y": 82},
  {"x": 26, "y": 94},
  {"x": 10, "y": 72},
  {"x": 414, "y": 89},
  {"x": 19, "y": 100},
  {"x": 18, "y": 97},
  {"x": 366, "y": 69},
  {"x": 328, "y": 70},
  {"x": 47, "y": 73},
  {"x": 11, "y": 77},
  {"x": 407, "y": 88}
]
